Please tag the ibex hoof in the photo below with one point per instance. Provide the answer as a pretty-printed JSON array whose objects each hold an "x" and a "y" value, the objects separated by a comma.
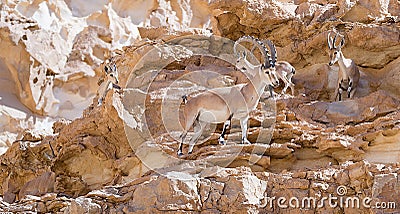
[
  {"x": 246, "y": 142},
  {"x": 180, "y": 154},
  {"x": 190, "y": 153},
  {"x": 222, "y": 142}
]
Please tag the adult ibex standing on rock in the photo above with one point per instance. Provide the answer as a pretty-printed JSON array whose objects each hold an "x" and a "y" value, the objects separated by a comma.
[
  {"x": 348, "y": 75},
  {"x": 222, "y": 104}
]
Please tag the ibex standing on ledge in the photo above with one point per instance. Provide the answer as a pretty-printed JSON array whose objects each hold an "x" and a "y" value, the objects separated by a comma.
[
  {"x": 109, "y": 82},
  {"x": 222, "y": 104},
  {"x": 348, "y": 75},
  {"x": 284, "y": 70}
]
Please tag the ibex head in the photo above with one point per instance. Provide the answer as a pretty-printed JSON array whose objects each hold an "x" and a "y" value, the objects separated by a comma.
[
  {"x": 241, "y": 60},
  {"x": 111, "y": 72},
  {"x": 271, "y": 72},
  {"x": 267, "y": 65},
  {"x": 267, "y": 74},
  {"x": 271, "y": 76},
  {"x": 334, "y": 50}
]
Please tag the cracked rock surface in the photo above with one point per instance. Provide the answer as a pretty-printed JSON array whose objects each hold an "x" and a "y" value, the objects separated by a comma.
[{"x": 63, "y": 154}]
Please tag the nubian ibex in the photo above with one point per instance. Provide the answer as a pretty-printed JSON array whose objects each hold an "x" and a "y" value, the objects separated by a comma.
[
  {"x": 110, "y": 81},
  {"x": 267, "y": 60},
  {"x": 348, "y": 75},
  {"x": 284, "y": 70},
  {"x": 222, "y": 104}
]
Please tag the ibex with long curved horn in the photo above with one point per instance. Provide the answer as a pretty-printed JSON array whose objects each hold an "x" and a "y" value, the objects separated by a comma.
[
  {"x": 348, "y": 75},
  {"x": 284, "y": 70},
  {"x": 266, "y": 59},
  {"x": 222, "y": 104},
  {"x": 110, "y": 81}
]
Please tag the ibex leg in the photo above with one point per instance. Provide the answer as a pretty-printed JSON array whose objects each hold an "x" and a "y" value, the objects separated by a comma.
[
  {"x": 352, "y": 92},
  {"x": 292, "y": 88},
  {"x": 227, "y": 123},
  {"x": 350, "y": 89},
  {"x": 243, "y": 124},
  {"x": 183, "y": 136},
  {"x": 198, "y": 130}
]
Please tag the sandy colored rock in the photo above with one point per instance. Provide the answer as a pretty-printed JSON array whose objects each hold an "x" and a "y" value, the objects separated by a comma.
[
  {"x": 351, "y": 111},
  {"x": 62, "y": 153}
]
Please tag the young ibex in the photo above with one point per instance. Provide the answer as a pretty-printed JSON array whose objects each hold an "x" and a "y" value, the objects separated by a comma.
[
  {"x": 244, "y": 65},
  {"x": 110, "y": 81},
  {"x": 348, "y": 75},
  {"x": 222, "y": 104},
  {"x": 284, "y": 70}
]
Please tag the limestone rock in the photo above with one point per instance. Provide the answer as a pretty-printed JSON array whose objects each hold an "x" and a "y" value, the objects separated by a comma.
[
  {"x": 63, "y": 153},
  {"x": 226, "y": 190},
  {"x": 351, "y": 111}
]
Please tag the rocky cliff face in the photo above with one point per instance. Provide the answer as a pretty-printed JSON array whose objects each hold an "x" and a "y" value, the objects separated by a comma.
[{"x": 121, "y": 156}]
